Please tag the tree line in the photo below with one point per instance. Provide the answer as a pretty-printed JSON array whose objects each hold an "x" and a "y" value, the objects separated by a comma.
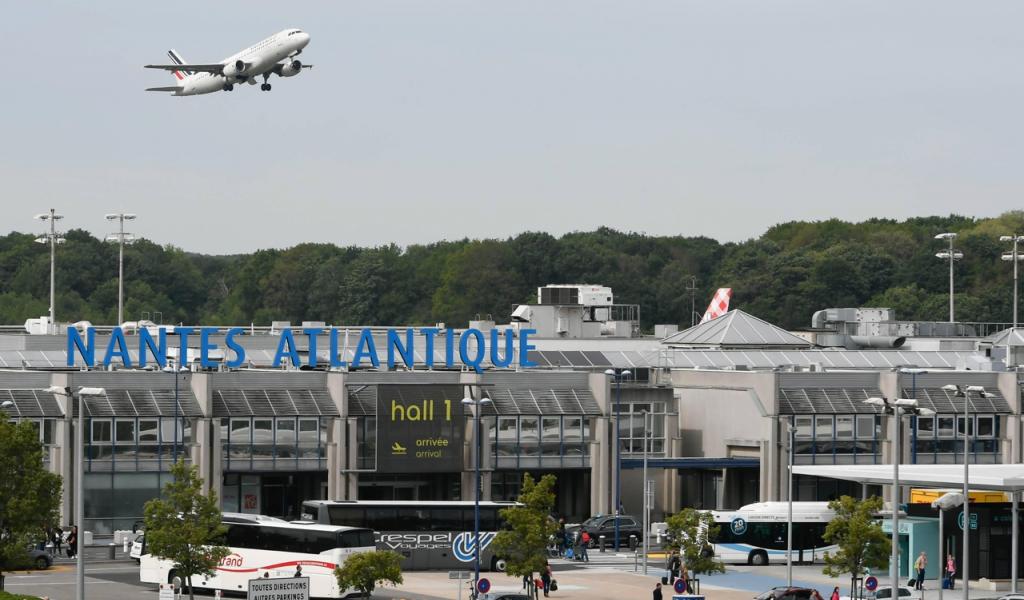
[{"x": 783, "y": 276}]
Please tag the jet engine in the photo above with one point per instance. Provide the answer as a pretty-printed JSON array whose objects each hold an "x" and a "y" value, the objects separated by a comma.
[
  {"x": 235, "y": 69},
  {"x": 291, "y": 69}
]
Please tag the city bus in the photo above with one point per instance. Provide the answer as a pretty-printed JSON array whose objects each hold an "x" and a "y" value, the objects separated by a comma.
[
  {"x": 264, "y": 545},
  {"x": 755, "y": 534},
  {"x": 430, "y": 535}
]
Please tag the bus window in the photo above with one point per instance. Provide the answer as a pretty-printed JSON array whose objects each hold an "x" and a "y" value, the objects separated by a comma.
[
  {"x": 413, "y": 519},
  {"x": 382, "y": 519},
  {"x": 357, "y": 538},
  {"x": 488, "y": 519},
  {"x": 346, "y": 515},
  {"x": 320, "y": 541},
  {"x": 447, "y": 519},
  {"x": 241, "y": 536}
]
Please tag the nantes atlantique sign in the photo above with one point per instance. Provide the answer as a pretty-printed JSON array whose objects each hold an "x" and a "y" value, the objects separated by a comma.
[{"x": 469, "y": 348}]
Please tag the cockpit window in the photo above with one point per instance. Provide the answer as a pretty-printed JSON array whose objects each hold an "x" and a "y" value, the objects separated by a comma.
[{"x": 295, "y": 32}]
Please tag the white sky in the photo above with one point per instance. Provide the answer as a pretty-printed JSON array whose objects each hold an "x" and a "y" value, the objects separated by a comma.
[{"x": 439, "y": 120}]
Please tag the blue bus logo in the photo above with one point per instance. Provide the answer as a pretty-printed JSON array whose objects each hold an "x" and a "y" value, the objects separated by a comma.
[
  {"x": 738, "y": 526},
  {"x": 464, "y": 545}
]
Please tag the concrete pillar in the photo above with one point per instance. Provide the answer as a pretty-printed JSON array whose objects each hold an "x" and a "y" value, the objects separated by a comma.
[
  {"x": 201, "y": 455},
  {"x": 601, "y": 451},
  {"x": 340, "y": 456},
  {"x": 64, "y": 461},
  {"x": 349, "y": 486},
  {"x": 216, "y": 459}
]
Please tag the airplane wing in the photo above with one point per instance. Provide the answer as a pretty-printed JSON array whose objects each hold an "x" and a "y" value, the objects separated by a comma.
[
  {"x": 217, "y": 68},
  {"x": 279, "y": 67},
  {"x": 173, "y": 88}
]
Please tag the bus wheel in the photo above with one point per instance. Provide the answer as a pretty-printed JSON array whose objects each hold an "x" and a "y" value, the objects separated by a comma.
[
  {"x": 758, "y": 558},
  {"x": 171, "y": 575},
  {"x": 498, "y": 564}
]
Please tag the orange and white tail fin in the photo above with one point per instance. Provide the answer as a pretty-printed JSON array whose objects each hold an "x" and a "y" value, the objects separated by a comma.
[
  {"x": 719, "y": 305},
  {"x": 178, "y": 60}
]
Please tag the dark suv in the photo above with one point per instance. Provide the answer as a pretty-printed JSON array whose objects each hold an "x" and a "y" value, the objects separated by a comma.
[
  {"x": 605, "y": 525},
  {"x": 789, "y": 593}
]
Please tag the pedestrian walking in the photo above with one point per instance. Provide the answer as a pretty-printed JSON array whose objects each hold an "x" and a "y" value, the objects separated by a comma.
[
  {"x": 950, "y": 570},
  {"x": 673, "y": 565},
  {"x": 562, "y": 545},
  {"x": 584, "y": 539},
  {"x": 298, "y": 571},
  {"x": 545, "y": 578},
  {"x": 920, "y": 565},
  {"x": 58, "y": 539},
  {"x": 657, "y": 591},
  {"x": 73, "y": 542},
  {"x": 835, "y": 594}
]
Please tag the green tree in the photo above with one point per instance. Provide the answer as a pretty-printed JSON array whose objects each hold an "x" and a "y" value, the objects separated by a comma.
[
  {"x": 184, "y": 526},
  {"x": 364, "y": 571},
  {"x": 29, "y": 494},
  {"x": 858, "y": 535},
  {"x": 690, "y": 531},
  {"x": 523, "y": 543}
]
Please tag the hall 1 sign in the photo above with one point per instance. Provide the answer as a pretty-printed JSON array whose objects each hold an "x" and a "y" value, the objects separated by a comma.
[{"x": 419, "y": 428}]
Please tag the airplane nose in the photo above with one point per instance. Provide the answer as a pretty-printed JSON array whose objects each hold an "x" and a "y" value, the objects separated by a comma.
[{"x": 304, "y": 39}]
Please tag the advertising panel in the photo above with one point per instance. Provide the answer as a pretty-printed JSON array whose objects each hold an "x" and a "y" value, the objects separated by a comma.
[{"x": 419, "y": 428}]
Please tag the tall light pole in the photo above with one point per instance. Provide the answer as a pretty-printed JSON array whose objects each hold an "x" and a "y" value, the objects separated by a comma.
[
  {"x": 646, "y": 515},
  {"x": 692, "y": 288},
  {"x": 964, "y": 391},
  {"x": 53, "y": 238},
  {"x": 121, "y": 238},
  {"x": 1015, "y": 257},
  {"x": 618, "y": 447},
  {"x": 943, "y": 503},
  {"x": 81, "y": 394},
  {"x": 897, "y": 408},
  {"x": 175, "y": 370},
  {"x": 477, "y": 451},
  {"x": 789, "y": 512},
  {"x": 952, "y": 256}
]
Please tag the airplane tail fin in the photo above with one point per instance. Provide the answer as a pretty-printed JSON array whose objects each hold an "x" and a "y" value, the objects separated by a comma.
[
  {"x": 178, "y": 60},
  {"x": 719, "y": 305}
]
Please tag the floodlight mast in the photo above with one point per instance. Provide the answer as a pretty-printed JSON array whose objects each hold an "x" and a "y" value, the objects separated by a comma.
[
  {"x": 1014, "y": 256},
  {"x": 53, "y": 238},
  {"x": 952, "y": 255},
  {"x": 121, "y": 237}
]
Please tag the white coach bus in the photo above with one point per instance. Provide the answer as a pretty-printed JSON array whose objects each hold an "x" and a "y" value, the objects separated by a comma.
[
  {"x": 755, "y": 534},
  {"x": 262, "y": 545}
]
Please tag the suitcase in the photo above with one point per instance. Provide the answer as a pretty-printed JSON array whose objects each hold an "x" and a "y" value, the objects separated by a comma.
[
  {"x": 569, "y": 554},
  {"x": 946, "y": 583},
  {"x": 664, "y": 581}
]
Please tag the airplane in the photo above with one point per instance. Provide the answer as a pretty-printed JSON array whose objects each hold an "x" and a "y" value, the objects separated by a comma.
[
  {"x": 273, "y": 56},
  {"x": 719, "y": 305}
]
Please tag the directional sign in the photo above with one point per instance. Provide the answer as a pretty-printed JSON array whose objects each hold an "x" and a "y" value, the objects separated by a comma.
[
  {"x": 871, "y": 583},
  {"x": 484, "y": 585},
  {"x": 459, "y": 574},
  {"x": 281, "y": 588},
  {"x": 679, "y": 587},
  {"x": 166, "y": 591}
]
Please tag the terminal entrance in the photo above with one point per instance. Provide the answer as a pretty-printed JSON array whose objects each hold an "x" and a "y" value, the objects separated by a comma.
[{"x": 433, "y": 486}]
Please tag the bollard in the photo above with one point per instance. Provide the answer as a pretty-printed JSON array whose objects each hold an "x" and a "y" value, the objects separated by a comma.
[
  {"x": 126, "y": 544},
  {"x": 111, "y": 547},
  {"x": 636, "y": 561},
  {"x": 633, "y": 543},
  {"x": 600, "y": 540}
]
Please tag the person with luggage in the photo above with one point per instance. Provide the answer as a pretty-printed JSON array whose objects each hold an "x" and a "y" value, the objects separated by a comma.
[
  {"x": 835, "y": 594},
  {"x": 950, "y": 570},
  {"x": 58, "y": 539},
  {"x": 546, "y": 579},
  {"x": 919, "y": 566},
  {"x": 584, "y": 542},
  {"x": 73, "y": 542},
  {"x": 673, "y": 564}
]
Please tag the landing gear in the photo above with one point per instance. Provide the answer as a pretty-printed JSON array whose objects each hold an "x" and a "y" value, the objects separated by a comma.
[
  {"x": 265, "y": 87},
  {"x": 228, "y": 87}
]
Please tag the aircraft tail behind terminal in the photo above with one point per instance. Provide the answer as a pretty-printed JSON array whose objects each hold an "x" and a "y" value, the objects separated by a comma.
[{"x": 719, "y": 305}]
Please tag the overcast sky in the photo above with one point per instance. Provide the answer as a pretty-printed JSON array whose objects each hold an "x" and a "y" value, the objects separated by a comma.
[{"x": 428, "y": 120}]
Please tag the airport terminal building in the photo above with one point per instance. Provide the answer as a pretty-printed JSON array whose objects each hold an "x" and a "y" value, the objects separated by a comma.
[{"x": 719, "y": 399}]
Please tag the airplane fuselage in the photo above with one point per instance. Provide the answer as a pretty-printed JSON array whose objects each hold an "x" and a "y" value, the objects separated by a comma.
[{"x": 257, "y": 60}]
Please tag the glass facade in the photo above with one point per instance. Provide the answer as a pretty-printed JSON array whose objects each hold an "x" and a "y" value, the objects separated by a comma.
[
  {"x": 631, "y": 430},
  {"x": 135, "y": 443},
  {"x": 532, "y": 441},
  {"x": 939, "y": 439},
  {"x": 116, "y": 500},
  {"x": 274, "y": 443},
  {"x": 836, "y": 439}
]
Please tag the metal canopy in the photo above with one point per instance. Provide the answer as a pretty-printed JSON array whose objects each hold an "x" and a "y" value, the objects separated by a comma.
[{"x": 1004, "y": 478}]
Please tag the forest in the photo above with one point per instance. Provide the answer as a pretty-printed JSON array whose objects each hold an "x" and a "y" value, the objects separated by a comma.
[{"x": 783, "y": 276}]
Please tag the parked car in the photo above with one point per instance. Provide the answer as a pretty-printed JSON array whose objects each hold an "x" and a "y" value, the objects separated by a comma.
[
  {"x": 629, "y": 527},
  {"x": 789, "y": 593},
  {"x": 34, "y": 558}
]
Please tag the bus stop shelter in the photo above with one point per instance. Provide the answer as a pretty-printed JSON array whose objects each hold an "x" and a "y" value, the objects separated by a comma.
[{"x": 1003, "y": 478}]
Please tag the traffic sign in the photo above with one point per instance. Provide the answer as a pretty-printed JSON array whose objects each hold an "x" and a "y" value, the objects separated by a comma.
[
  {"x": 483, "y": 586},
  {"x": 679, "y": 586},
  {"x": 871, "y": 583},
  {"x": 279, "y": 588},
  {"x": 459, "y": 574}
]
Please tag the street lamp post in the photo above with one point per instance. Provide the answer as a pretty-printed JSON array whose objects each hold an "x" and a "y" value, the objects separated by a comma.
[
  {"x": 962, "y": 391},
  {"x": 477, "y": 451},
  {"x": 79, "y": 479},
  {"x": 789, "y": 512},
  {"x": 952, "y": 256},
  {"x": 53, "y": 238},
  {"x": 175, "y": 370},
  {"x": 897, "y": 408},
  {"x": 1015, "y": 257},
  {"x": 618, "y": 448},
  {"x": 120, "y": 237},
  {"x": 945, "y": 502},
  {"x": 646, "y": 515}
]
